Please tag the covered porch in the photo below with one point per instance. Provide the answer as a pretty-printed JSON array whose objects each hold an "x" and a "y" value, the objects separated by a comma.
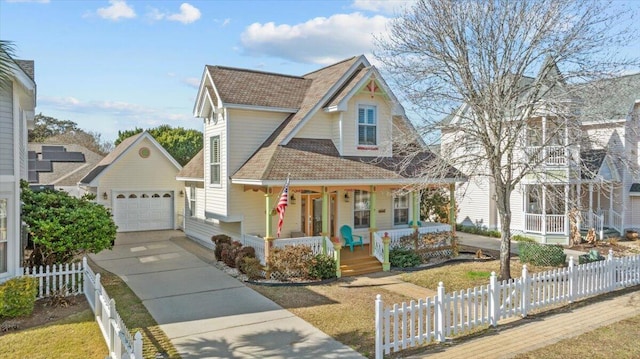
[
  {"x": 547, "y": 208},
  {"x": 315, "y": 214}
]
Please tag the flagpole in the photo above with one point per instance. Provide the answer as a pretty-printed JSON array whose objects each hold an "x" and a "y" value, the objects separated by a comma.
[{"x": 281, "y": 190}]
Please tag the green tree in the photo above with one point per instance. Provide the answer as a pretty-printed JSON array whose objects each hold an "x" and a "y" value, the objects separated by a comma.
[
  {"x": 181, "y": 143},
  {"x": 49, "y": 129},
  {"x": 62, "y": 227},
  {"x": 434, "y": 205},
  {"x": 7, "y": 51},
  {"x": 46, "y": 127}
]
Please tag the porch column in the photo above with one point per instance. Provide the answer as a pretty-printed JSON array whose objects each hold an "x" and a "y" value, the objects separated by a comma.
[
  {"x": 325, "y": 219},
  {"x": 415, "y": 217},
  {"x": 590, "y": 205},
  {"x": 452, "y": 207},
  {"x": 372, "y": 217},
  {"x": 566, "y": 209},
  {"x": 545, "y": 150},
  {"x": 544, "y": 210},
  {"x": 599, "y": 195},
  {"x": 611, "y": 205},
  {"x": 525, "y": 204}
]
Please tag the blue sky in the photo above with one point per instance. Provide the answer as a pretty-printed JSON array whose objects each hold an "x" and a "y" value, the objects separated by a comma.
[{"x": 112, "y": 65}]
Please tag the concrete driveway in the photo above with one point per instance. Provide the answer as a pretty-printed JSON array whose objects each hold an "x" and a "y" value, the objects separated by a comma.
[{"x": 205, "y": 312}]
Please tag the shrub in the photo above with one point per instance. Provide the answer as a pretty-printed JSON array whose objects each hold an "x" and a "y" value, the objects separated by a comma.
[
  {"x": 322, "y": 267},
  {"x": 244, "y": 252},
  {"x": 251, "y": 267},
  {"x": 404, "y": 258},
  {"x": 18, "y": 297},
  {"x": 291, "y": 261},
  {"x": 219, "y": 240},
  {"x": 541, "y": 254},
  {"x": 521, "y": 238},
  {"x": 229, "y": 252},
  {"x": 479, "y": 231}
]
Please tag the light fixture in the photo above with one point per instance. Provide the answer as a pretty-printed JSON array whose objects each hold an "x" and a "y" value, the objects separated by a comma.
[
  {"x": 181, "y": 193},
  {"x": 292, "y": 199},
  {"x": 104, "y": 196},
  {"x": 346, "y": 197}
]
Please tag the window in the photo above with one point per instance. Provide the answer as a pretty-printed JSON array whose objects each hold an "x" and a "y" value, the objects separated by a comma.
[
  {"x": 192, "y": 200},
  {"x": 367, "y": 124},
  {"x": 214, "y": 160},
  {"x": 361, "y": 209},
  {"x": 401, "y": 209},
  {"x": 4, "y": 204}
]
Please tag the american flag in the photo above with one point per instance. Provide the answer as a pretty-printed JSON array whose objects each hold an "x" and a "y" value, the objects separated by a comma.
[{"x": 282, "y": 205}]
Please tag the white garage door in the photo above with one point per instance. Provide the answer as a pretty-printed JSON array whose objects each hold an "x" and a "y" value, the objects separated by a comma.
[{"x": 143, "y": 210}]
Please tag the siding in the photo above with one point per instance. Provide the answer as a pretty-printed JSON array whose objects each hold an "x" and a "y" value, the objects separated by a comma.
[
  {"x": 350, "y": 127},
  {"x": 474, "y": 204},
  {"x": 202, "y": 230},
  {"x": 250, "y": 206},
  {"x": 319, "y": 126},
  {"x": 6, "y": 131}
]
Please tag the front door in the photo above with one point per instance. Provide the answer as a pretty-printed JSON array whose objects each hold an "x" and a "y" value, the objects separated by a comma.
[{"x": 311, "y": 214}]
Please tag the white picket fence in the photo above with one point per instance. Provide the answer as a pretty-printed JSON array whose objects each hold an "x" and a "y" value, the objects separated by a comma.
[
  {"x": 78, "y": 278},
  {"x": 433, "y": 319}
]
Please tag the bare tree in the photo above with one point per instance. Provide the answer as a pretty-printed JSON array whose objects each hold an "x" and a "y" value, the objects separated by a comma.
[{"x": 491, "y": 69}]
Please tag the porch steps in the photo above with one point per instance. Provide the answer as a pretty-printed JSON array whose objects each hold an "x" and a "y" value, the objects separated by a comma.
[
  {"x": 607, "y": 233},
  {"x": 359, "y": 266}
]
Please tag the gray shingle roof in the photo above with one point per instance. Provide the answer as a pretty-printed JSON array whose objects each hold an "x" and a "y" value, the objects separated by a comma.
[{"x": 194, "y": 169}]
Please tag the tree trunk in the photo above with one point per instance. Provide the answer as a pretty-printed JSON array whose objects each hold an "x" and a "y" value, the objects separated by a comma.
[{"x": 505, "y": 244}]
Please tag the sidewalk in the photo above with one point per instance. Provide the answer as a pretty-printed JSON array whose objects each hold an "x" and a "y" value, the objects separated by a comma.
[{"x": 534, "y": 332}]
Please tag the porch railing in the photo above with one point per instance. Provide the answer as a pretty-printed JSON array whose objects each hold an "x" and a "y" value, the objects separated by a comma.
[
  {"x": 396, "y": 234},
  {"x": 257, "y": 243},
  {"x": 548, "y": 155},
  {"x": 612, "y": 219},
  {"x": 545, "y": 223},
  {"x": 592, "y": 220},
  {"x": 378, "y": 247}
]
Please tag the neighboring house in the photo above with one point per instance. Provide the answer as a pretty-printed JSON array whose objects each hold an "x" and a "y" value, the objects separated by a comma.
[
  {"x": 60, "y": 166},
  {"x": 17, "y": 109},
  {"x": 596, "y": 174},
  {"x": 137, "y": 182},
  {"x": 333, "y": 131}
]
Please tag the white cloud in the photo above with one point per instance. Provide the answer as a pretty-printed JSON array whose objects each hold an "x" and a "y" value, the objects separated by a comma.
[
  {"x": 118, "y": 9},
  {"x": 223, "y": 22},
  {"x": 187, "y": 15},
  {"x": 384, "y": 6},
  {"x": 192, "y": 82},
  {"x": 320, "y": 40}
]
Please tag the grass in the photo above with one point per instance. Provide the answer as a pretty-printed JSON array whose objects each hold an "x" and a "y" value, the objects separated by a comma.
[
  {"x": 75, "y": 337},
  {"x": 136, "y": 316},
  {"x": 461, "y": 276},
  {"x": 344, "y": 313}
]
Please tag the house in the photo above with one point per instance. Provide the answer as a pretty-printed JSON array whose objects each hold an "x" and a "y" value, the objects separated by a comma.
[
  {"x": 137, "y": 182},
  {"x": 60, "y": 166},
  {"x": 17, "y": 110},
  {"x": 588, "y": 164},
  {"x": 333, "y": 132}
]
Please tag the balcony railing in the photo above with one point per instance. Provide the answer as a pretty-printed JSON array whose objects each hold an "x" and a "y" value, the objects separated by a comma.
[
  {"x": 545, "y": 224},
  {"x": 547, "y": 155}
]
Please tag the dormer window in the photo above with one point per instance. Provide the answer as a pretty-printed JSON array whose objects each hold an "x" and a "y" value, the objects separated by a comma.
[
  {"x": 367, "y": 125},
  {"x": 214, "y": 160}
]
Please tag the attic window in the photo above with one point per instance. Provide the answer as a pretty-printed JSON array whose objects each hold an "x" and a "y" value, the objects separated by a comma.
[
  {"x": 367, "y": 125},
  {"x": 214, "y": 159}
]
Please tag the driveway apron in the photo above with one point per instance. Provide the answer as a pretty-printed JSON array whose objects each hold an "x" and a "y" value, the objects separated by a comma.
[{"x": 205, "y": 312}]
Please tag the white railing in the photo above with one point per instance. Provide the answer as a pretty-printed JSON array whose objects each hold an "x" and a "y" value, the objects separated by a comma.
[
  {"x": 548, "y": 155},
  {"x": 613, "y": 220},
  {"x": 118, "y": 338},
  {"x": 378, "y": 247},
  {"x": 396, "y": 234},
  {"x": 433, "y": 319},
  {"x": 544, "y": 224},
  {"x": 329, "y": 245},
  {"x": 592, "y": 220},
  {"x": 60, "y": 279},
  {"x": 257, "y": 243}
]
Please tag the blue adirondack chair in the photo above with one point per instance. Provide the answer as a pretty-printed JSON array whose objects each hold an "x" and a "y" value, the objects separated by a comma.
[
  {"x": 348, "y": 236},
  {"x": 411, "y": 224}
]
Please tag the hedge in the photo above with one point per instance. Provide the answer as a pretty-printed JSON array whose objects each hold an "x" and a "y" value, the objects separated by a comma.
[{"x": 541, "y": 254}]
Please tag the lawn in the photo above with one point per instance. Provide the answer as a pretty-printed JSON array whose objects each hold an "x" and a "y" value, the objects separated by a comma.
[{"x": 74, "y": 337}]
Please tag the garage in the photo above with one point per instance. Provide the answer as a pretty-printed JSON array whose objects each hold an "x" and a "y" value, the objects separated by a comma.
[{"x": 143, "y": 210}]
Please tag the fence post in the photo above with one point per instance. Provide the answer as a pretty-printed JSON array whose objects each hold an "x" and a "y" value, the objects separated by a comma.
[
  {"x": 611, "y": 271},
  {"x": 572, "y": 280},
  {"x": 137, "y": 345},
  {"x": 379, "y": 327},
  {"x": 494, "y": 300},
  {"x": 524, "y": 302},
  {"x": 97, "y": 293},
  {"x": 440, "y": 316},
  {"x": 113, "y": 334},
  {"x": 386, "y": 240}
]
